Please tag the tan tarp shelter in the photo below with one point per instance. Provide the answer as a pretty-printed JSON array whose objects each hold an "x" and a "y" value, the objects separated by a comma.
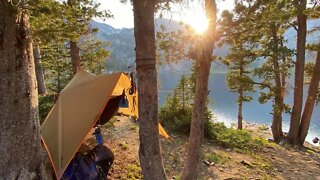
[{"x": 77, "y": 110}]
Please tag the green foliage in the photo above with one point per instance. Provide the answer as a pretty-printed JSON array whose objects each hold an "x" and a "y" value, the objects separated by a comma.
[
  {"x": 176, "y": 117},
  {"x": 94, "y": 54},
  {"x": 255, "y": 31},
  {"x": 262, "y": 162},
  {"x": 53, "y": 25},
  {"x": 232, "y": 138},
  {"x": 110, "y": 124},
  {"x": 214, "y": 157},
  {"x": 133, "y": 128},
  {"x": 308, "y": 74},
  {"x": 263, "y": 127},
  {"x": 176, "y": 114},
  {"x": 134, "y": 171},
  {"x": 46, "y": 102},
  {"x": 124, "y": 145}
]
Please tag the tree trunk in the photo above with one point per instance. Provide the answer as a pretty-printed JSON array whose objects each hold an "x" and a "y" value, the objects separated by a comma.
[
  {"x": 283, "y": 82},
  {"x": 39, "y": 71},
  {"x": 74, "y": 50},
  {"x": 75, "y": 56},
  {"x": 19, "y": 122},
  {"x": 190, "y": 169},
  {"x": 149, "y": 150},
  {"x": 278, "y": 99},
  {"x": 240, "y": 99},
  {"x": 240, "y": 110},
  {"x": 299, "y": 72},
  {"x": 197, "y": 123},
  {"x": 308, "y": 107},
  {"x": 278, "y": 105}
]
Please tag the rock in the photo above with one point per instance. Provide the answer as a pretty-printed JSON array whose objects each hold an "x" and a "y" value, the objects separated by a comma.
[
  {"x": 265, "y": 150},
  {"x": 208, "y": 163},
  {"x": 247, "y": 163},
  {"x": 228, "y": 149},
  {"x": 294, "y": 170},
  {"x": 280, "y": 170},
  {"x": 315, "y": 140}
]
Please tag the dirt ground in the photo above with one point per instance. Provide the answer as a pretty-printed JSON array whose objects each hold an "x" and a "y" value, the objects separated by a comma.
[{"x": 270, "y": 162}]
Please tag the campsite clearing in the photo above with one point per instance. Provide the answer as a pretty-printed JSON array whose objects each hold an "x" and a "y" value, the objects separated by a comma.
[{"x": 272, "y": 162}]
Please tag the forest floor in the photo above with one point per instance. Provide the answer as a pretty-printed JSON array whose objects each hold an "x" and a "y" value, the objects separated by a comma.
[{"x": 269, "y": 162}]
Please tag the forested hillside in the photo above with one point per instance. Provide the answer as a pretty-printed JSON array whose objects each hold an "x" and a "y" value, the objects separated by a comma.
[{"x": 123, "y": 44}]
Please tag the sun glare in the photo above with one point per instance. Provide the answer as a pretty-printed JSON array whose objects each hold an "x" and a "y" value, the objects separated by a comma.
[
  {"x": 200, "y": 25},
  {"x": 197, "y": 19}
]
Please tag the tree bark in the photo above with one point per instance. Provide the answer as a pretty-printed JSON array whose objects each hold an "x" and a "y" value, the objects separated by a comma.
[
  {"x": 39, "y": 71},
  {"x": 278, "y": 99},
  {"x": 74, "y": 50},
  {"x": 240, "y": 99},
  {"x": 309, "y": 105},
  {"x": 19, "y": 122},
  {"x": 149, "y": 150},
  {"x": 190, "y": 170},
  {"x": 240, "y": 117},
  {"x": 299, "y": 72},
  {"x": 75, "y": 56}
]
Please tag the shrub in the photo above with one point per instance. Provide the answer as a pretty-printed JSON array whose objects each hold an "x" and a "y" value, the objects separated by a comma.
[
  {"x": 177, "y": 113},
  {"x": 134, "y": 171}
]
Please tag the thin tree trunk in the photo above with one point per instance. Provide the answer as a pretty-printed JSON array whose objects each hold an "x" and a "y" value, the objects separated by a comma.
[
  {"x": 278, "y": 105},
  {"x": 19, "y": 122},
  {"x": 75, "y": 56},
  {"x": 240, "y": 110},
  {"x": 278, "y": 99},
  {"x": 299, "y": 72},
  {"x": 240, "y": 99},
  {"x": 74, "y": 50},
  {"x": 59, "y": 88},
  {"x": 308, "y": 108},
  {"x": 39, "y": 71},
  {"x": 283, "y": 83},
  {"x": 197, "y": 123},
  {"x": 190, "y": 169},
  {"x": 149, "y": 149}
]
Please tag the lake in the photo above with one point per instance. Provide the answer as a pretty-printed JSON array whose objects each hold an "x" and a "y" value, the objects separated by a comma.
[{"x": 224, "y": 106}]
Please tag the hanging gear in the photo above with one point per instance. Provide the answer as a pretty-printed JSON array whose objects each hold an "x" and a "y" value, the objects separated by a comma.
[{"x": 133, "y": 87}]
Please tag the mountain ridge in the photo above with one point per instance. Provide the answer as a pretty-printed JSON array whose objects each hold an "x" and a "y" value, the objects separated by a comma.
[{"x": 122, "y": 46}]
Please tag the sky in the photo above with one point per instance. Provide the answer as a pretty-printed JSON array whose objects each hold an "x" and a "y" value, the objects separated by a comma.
[{"x": 123, "y": 14}]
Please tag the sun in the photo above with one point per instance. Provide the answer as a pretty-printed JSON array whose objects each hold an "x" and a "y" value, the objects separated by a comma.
[
  {"x": 197, "y": 21},
  {"x": 200, "y": 25}
]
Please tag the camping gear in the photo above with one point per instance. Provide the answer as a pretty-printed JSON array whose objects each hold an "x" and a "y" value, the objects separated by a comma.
[
  {"x": 97, "y": 133},
  {"x": 124, "y": 103},
  {"x": 94, "y": 165},
  {"x": 86, "y": 101}
]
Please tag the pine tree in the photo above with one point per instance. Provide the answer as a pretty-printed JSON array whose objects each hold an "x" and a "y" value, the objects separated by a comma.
[{"x": 239, "y": 58}]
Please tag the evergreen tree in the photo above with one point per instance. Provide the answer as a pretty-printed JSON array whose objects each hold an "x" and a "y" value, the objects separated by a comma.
[
  {"x": 300, "y": 7},
  {"x": 240, "y": 56},
  {"x": 53, "y": 25},
  {"x": 263, "y": 40}
]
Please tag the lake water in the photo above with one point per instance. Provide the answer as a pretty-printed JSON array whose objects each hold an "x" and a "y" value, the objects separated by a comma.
[{"x": 224, "y": 106}]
